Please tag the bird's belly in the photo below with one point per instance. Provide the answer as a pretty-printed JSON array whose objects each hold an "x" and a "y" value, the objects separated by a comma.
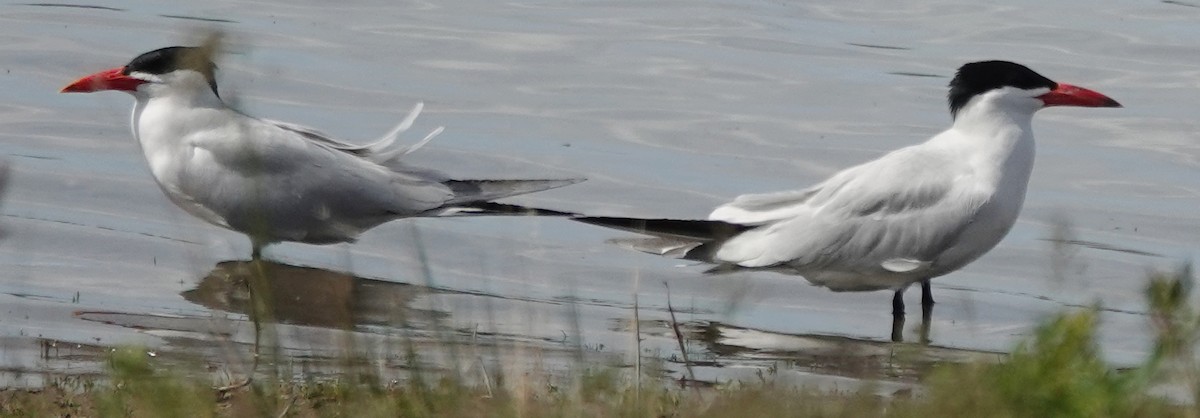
[
  {"x": 264, "y": 208},
  {"x": 859, "y": 281},
  {"x": 988, "y": 227}
]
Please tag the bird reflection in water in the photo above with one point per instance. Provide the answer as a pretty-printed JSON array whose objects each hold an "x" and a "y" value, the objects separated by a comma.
[
  {"x": 270, "y": 292},
  {"x": 309, "y": 296}
]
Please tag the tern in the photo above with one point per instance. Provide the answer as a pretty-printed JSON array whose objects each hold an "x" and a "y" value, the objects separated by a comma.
[
  {"x": 913, "y": 214},
  {"x": 276, "y": 181}
]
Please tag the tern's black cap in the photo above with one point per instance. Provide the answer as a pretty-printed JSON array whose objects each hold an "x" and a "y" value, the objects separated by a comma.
[
  {"x": 980, "y": 77},
  {"x": 166, "y": 60}
]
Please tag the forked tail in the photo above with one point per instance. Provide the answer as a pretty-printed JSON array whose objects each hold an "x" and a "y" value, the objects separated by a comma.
[
  {"x": 695, "y": 229},
  {"x": 468, "y": 192},
  {"x": 689, "y": 239},
  {"x": 474, "y": 197},
  {"x": 502, "y": 209}
]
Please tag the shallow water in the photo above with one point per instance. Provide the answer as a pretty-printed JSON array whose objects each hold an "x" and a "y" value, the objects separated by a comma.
[{"x": 668, "y": 108}]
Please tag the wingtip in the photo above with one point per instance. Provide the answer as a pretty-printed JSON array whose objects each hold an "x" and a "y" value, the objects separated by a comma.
[
  {"x": 556, "y": 183},
  {"x": 480, "y": 190}
]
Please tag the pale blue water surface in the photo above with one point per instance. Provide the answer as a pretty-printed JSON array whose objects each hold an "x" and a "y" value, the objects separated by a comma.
[{"x": 669, "y": 108}]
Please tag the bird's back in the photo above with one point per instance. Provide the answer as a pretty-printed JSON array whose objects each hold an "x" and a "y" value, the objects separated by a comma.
[{"x": 271, "y": 183}]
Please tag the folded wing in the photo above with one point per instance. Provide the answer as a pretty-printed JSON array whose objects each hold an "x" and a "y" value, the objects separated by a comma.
[{"x": 892, "y": 214}]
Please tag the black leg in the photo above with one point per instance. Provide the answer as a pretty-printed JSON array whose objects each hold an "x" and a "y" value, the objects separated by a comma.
[
  {"x": 926, "y": 310},
  {"x": 926, "y": 298},
  {"x": 251, "y": 282},
  {"x": 255, "y": 310},
  {"x": 898, "y": 316}
]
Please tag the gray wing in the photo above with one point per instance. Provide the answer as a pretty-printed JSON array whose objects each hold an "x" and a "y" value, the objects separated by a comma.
[
  {"x": 892, "y": 214},
  {"x": 293, "y": 184}
]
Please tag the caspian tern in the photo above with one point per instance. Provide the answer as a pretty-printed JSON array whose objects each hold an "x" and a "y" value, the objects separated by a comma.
[
  {"x": 914, "y": 214},
  {"x": 276, "y": 181}
]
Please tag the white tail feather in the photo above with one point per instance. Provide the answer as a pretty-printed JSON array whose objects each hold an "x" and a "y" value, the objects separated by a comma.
[
  {"x": 424, "y": 141},
  {"x": 389, "y": 155},
  {"x": 390, "y": 138}
]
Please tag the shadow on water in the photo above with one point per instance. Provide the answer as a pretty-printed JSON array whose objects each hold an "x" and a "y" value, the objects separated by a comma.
[
  {"x": 828, "y": 354},
  {"x": 117, "y": 9},
  {"x": 717, "y": 345},
  {"x": 73, "y": 6},
  {"x": 313, "y": 297},
  {"x": 326, "y": 321},
  {"x": 313, "y": 309}
]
